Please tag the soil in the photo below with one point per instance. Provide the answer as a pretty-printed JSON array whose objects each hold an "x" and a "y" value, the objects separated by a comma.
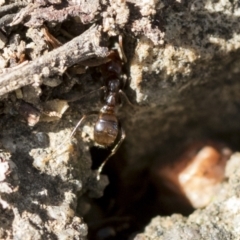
[{"x": 181, "y": 73}]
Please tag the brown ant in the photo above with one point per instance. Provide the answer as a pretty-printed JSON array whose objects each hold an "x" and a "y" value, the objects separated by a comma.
[{"x": 107, "y": 129}]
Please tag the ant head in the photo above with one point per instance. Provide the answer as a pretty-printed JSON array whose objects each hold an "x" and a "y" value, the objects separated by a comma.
[{"x": 113, "y": 68}]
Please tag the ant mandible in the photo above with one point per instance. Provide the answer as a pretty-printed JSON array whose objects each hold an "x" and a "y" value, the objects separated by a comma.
[{"x": 107, "y": 129}]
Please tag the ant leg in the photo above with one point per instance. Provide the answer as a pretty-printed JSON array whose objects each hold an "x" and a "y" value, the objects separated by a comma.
[
  {"x": 75, "y": 128},
  {"x": 81, "y": 120},
  {"x": 113, "y": 151},
  {"x": 126, "y": 98},
  {"x": 83, "y": 96},
  {"x": 120, "y": 41}
]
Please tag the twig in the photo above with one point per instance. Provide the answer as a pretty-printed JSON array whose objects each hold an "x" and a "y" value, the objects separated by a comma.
[
  {"x": 11, "y": 8},
  {"x": 83, "y": 47},
  {"x": 7, "y": 13},
  {"x": 4, "y": 21}
]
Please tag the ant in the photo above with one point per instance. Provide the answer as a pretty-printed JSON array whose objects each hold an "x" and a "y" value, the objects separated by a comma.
[{"x": 108, "y": 131}]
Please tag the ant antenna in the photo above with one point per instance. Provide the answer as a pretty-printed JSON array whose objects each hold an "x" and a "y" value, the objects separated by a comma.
[{"x": 81, "y": 120}]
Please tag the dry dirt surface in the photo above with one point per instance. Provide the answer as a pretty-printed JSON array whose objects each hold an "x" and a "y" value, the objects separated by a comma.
[{"x": 181, "y": 118}]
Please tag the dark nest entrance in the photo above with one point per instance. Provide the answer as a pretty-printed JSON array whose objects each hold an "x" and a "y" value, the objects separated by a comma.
[{"x": 135, "y": 195}]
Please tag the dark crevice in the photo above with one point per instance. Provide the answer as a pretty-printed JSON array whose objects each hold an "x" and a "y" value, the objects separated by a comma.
[{"x": 132, "y": 199}]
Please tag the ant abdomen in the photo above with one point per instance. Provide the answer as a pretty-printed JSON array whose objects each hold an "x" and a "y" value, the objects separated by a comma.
[{"x": 106, "y": 129}]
